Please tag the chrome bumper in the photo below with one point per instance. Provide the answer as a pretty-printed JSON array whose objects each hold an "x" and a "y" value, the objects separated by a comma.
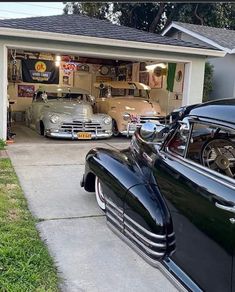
[
  {"x": 130, "y": 129},
  {"x": 73, "y": 135}
]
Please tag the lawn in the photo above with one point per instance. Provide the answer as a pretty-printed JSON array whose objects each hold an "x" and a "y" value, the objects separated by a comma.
[
  {"x": 2, "y": 144},
  {"x": 25, "y": 264}
]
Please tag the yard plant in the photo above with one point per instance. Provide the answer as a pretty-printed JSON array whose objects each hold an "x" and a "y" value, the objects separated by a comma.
[{"x": 25, "y": 264}]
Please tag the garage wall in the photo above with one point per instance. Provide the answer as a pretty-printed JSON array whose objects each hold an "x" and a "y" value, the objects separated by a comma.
[{"x": 194, "y": 80}]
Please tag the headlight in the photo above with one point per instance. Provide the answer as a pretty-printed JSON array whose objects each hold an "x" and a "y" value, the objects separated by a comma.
[
  {"x": 55, "y": 119},
  {"x": 107, "y": 120},
  {"x": 126, "y": 116}
]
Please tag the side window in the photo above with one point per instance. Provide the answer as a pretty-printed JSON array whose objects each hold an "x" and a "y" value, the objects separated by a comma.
[
  {"x": 179, "y": 141},
  {"x": 213, "y": 147}
]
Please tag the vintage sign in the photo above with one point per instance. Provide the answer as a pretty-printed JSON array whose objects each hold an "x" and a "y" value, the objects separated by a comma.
[
  {"x": 40, "y": 71},
  {"x": 26, "y": 90}
]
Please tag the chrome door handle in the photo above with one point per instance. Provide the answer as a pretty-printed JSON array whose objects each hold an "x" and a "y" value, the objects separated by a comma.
[{"x": 226, "y": 208}]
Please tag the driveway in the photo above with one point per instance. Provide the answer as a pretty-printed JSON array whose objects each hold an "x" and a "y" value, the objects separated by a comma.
[{"x": 89, "y": 256}]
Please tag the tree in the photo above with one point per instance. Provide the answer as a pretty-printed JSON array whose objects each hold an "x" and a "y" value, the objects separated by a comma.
[
  {"x": 208, "y": 81},
  {"x": 154, "y": 17}
]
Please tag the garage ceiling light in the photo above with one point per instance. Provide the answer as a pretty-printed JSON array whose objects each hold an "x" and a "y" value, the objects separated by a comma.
[{"x": 153, "y": 66}]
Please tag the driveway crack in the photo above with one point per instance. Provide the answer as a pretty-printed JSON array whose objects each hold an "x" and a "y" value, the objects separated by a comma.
[{"x": 67, "y": 218}]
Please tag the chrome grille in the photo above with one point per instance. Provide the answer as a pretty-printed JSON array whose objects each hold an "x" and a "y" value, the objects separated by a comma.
[{"x": 79, "y": 126}]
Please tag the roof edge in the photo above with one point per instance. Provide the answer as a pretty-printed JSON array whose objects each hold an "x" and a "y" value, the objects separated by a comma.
[
  {"x": 196, "y": 35},
  {"x": 108, "y": 42}
]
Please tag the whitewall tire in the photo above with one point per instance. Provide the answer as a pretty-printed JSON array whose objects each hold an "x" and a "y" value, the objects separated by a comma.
[{"x": 99, "y": 194}]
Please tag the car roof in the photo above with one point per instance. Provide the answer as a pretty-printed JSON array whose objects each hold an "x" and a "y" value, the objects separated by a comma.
[
  {"x": 62, "y": 89},
  {"x": 220, "y": 110},
  {"x": 123, "y": 85}
]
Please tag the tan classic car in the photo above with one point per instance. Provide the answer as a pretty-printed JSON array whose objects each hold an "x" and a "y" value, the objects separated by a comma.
[{"x": 129, "y": 104}]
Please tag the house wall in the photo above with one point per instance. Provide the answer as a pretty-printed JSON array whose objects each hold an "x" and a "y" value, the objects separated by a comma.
[
  {"x": 224, "y": 77},
  {"x": 194, "y": 78}
]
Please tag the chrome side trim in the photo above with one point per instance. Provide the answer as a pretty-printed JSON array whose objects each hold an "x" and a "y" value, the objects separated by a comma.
[
  {"x": 148, "y": 250},
  {"x": 155, "y": 263},
  {"x": 110, "y": 217},
  {"x": 113, "y": 205},
  {"x": 144, "y": 229},
  {"x": 145, "y": 240},
  {"x": 113, "y": 213}
]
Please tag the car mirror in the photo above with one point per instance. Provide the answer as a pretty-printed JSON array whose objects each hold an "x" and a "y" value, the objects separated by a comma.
[{"x": 150, "y": 131}]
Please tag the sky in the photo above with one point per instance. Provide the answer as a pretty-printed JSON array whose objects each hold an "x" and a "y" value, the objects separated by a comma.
[{"x": 29, "y": 9}]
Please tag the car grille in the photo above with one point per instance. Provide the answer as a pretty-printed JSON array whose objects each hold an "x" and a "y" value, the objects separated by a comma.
[
  {"x": 161, "y": 119},
  {"x": 79, "y": 126},
  {"x": 153, "y": 245}
]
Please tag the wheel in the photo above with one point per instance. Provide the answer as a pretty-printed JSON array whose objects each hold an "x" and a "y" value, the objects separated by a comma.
[
  {"x": 219, "y": 155},
  {"x": 116, "y": 133},
  {"x": 99, "y": 194},
  {"x": 42, "y": 130}
]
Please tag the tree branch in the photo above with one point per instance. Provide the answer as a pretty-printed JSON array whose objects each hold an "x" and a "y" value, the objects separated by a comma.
[{"x": 156, "y": 19}]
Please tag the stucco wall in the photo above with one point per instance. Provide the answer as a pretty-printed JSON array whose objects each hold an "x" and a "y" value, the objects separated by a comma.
[{"x": 224, "y": 77}]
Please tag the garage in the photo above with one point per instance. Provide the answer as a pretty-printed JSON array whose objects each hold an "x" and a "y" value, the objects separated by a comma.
[{"x": 84, "y": 51}]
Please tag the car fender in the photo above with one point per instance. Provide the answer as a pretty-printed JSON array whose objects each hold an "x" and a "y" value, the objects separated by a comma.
[{"x": 111, "y": 165}]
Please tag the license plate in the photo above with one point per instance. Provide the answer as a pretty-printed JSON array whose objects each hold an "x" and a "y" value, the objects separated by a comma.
[{"x": 84, "y": 135}]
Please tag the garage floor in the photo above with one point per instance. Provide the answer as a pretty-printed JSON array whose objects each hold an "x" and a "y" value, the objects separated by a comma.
[{"x": 88, "y": 255}]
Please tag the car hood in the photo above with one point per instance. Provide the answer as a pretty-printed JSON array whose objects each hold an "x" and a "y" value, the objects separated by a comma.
[
  {"x": 135, "y": 105},
  {"x": 80, "y": 109}
]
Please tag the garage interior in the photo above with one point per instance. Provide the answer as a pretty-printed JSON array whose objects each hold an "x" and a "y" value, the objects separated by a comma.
[{"x": 83, "y": 71}]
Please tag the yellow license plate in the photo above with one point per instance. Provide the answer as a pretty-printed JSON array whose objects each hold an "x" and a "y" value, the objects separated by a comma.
[{"x": 84, "y": 135}]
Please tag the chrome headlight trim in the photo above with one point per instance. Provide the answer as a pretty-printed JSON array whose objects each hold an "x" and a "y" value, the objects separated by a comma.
[
  {"x": 126, "y": 116},
  {"x": 107, "y": 120},
  {"x": 55, "y": 119}
]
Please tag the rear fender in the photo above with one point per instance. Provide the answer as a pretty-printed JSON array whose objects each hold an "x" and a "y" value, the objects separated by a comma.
[
  {"x": 116, "y": 170},
  {"x": 147, "y": 221}
]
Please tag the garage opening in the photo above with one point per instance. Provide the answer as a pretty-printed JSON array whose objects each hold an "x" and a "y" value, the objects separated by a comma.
[{"x": 166, "y": 79}]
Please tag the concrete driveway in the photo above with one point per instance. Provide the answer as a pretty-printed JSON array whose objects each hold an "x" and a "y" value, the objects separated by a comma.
[{"x": 88, "y": 255}]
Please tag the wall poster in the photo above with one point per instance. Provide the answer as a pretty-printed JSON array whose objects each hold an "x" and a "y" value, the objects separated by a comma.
[
  {"x": 155, "y": 81},
  {"x": 26, "y": 90}
]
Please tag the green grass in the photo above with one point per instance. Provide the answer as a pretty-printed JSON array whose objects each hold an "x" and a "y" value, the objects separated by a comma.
[
  {"x": 2, "y": 144},
  {"x": 25, "y": 264}
]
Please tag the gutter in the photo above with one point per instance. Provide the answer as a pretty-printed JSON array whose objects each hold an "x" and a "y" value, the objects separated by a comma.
[{"x": 107, "y": 42}]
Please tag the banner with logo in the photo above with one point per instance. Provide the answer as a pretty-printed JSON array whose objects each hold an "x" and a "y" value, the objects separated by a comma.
[{"x": 40, "y": 71}]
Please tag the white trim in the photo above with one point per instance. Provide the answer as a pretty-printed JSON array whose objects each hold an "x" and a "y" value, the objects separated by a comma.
[
  {"x": 3, "y": 100},
  {"x": 107, "y": 42},
  {"x": 198, "y": 36},
  {"x": 187, "y": 83},
  {"x": 95, "y": 53}
]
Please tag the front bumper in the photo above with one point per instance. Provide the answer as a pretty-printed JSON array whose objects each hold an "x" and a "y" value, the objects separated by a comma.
[
  {"x": 74, "y": 135},
  {"x": 130, "y": 129}
]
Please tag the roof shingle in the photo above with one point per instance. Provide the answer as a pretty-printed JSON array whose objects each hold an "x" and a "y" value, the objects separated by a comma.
[
  {"x": 221, "y": 36},
  {"x": 86, "y": 26}
]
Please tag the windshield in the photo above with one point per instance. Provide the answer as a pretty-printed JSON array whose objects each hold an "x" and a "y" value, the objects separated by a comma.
[
  {"x": 71, "y": 96},
  {"x": 124, "y": 92}
]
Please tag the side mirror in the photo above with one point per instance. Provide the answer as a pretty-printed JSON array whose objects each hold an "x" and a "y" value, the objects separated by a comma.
[{"x": 150, "y": 131}]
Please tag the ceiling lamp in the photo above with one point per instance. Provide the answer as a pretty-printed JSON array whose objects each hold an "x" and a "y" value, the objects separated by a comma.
[{"x": 151, "y": 67}]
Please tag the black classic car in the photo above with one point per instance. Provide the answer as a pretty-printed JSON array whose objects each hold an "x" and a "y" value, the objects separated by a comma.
[{"x": 171, "y": 195}]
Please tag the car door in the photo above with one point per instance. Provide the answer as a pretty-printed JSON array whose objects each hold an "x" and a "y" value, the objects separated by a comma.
[{"x": 199, "y": 199}]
